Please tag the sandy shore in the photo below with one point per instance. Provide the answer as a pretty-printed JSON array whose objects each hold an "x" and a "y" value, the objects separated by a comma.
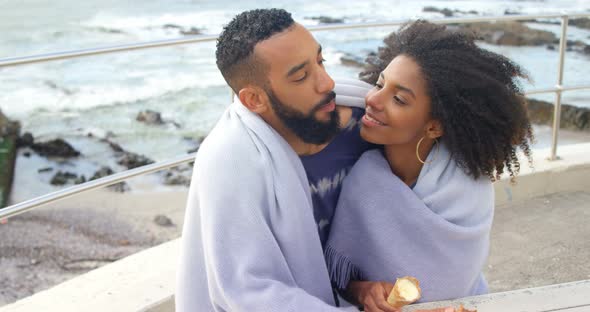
[{"x": 54, "y": 243}]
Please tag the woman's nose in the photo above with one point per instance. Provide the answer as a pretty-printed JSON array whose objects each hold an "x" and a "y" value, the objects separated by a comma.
[{"x": 373, "y": 100}]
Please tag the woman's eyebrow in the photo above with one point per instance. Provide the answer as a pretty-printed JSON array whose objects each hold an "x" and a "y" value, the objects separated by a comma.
[{"x": 400, "y": 87}]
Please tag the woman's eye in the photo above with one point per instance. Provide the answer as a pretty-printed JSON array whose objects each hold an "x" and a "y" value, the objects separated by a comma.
[
  {"x": 399, "y": 100},
  {"x": 378, "y": 86},
  {"x": 321, "y": 62}
]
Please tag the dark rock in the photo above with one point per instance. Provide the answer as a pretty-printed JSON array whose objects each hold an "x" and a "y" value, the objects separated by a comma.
[
  {"x": 106, "y": 171},
  {"x": 102, "y": 172},
  {"x": 578, "y": 46},
  {"x": 120, "y": 187},
  {"x": 510, "y": 33},
  {"x": 27, "y": 154},
  {"x": 150, "y": 117},
  {"x": 582, "y": 22},
  {"x": 551, "y": 47},
  {"x": 8, "y": 127},
  {"x": 25, "y": 140},
  {"x": 47, "y": 169},
  {"x": 53, "y": 85},
  {"x": 163, "y": 220},
  {"x": 80, "y": 180},
  {"x": 352, "y": 60},
  {"x": 114, "y": 146},
  {"x": 508, "y": 12},
  {"x": 193, "y": 150},
  {"x": 173, "y": 26},
  {"x": 176, "y": 178},
  {"x": 55, "y": 148},
  {"x": 110, "y": 30},
  {"x": 132, "y": 160},
  {"x": 446, "y": 12},
  {"x": 9, "y": 133},
  {"x": 192, "y": 31},
  {"x": 572, "y": 117},
  {"x": 61, "y": 178},
  {"x": 327, "y": 20}
]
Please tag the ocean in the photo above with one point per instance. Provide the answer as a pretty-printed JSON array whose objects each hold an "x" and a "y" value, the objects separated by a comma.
[{"x": 103, "y": 94}]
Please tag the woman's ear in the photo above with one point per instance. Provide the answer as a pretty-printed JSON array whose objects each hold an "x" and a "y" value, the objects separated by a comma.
[
  {"x": 434, "y": 129},
  {"x": 254, "y": 99}
]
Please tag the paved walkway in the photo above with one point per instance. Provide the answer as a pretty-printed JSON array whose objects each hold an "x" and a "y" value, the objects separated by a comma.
[{"x": 541, "y": 241}]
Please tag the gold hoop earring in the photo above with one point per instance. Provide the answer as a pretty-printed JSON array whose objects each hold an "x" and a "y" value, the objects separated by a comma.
[{"x": 418, "y": 148}]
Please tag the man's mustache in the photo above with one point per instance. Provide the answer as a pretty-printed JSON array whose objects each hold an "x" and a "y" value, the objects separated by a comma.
[{"x": 324, "y": 102}]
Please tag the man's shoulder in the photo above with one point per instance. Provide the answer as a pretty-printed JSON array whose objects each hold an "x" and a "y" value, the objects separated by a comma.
[{"x": 228, "y": 147}]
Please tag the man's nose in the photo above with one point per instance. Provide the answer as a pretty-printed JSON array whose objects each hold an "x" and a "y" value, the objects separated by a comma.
[{"x": 324, "y": 83}]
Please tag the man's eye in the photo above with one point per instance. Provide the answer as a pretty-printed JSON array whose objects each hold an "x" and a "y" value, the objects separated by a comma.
[
  {"x": 302, "y": 78},
  {"x": 321, "y": 62}
]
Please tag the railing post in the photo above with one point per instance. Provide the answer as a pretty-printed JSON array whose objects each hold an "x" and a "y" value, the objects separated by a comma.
[{"x": 559, "y": 86}]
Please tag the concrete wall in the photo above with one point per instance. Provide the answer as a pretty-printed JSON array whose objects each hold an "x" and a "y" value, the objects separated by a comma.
[{"x": 145, "y": 281}]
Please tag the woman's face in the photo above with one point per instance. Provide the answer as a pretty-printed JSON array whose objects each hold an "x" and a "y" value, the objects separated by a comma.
[{"x": 398, "y": 107}]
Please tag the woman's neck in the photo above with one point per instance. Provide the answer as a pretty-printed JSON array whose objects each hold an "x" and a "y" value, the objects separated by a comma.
[{"x": 403, "y": 161}]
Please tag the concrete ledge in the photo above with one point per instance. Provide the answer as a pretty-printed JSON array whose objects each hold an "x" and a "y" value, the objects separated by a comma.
[
  {"x": 570, "y": 297},
  {"x": 145, "y": 281},
  {"x": 569, "y": 173},
  {"x": 141, "y": 282}
]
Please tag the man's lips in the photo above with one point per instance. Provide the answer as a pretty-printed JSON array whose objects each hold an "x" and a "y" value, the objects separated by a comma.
[{"x": 328, "y": 107}]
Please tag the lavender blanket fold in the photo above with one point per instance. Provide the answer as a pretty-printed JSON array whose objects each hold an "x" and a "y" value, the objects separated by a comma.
[{"x": 438, "y": 232}]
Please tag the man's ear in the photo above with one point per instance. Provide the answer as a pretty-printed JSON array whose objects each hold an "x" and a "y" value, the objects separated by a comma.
[
  {"x": 434, "y": 129},
  {"x": 254, "y": 99}
]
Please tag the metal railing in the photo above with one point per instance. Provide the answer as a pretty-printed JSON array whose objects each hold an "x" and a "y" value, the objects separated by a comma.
[{"x": 115, "y": 178}]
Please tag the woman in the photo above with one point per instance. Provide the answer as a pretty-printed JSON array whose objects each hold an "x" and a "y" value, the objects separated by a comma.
[{"x": 450, "y": 117}]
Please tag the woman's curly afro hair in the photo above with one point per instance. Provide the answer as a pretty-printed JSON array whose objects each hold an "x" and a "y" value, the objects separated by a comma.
[{"x": 474, "y": 94}]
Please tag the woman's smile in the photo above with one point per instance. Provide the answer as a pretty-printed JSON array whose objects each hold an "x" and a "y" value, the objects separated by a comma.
[{"x": 370, "y": 121}]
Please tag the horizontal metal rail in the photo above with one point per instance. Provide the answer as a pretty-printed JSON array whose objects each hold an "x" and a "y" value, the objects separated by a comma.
[
  {"x": 92, "y": 185},
  {"x": 118, "y": 177},
  {"x": 13, "y": 61}
]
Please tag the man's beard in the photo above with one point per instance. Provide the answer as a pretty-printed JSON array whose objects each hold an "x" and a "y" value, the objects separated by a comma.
[{"x": 307, "y": 127}]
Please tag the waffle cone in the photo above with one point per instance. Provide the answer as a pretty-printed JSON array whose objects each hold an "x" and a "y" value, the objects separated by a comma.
[{"x": 396, "y": 299}]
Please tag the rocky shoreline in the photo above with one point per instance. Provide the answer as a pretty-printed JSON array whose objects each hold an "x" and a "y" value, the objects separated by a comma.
[{"x": 59, "y": 151}]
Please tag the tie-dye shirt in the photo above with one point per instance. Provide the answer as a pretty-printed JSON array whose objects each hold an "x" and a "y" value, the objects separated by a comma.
[{"x": 326, "y": 170}]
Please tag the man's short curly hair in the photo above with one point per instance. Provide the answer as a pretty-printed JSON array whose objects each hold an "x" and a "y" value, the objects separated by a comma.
[
  {"x": 474, "y": 93},
  {"x": 235, "y": 45}
]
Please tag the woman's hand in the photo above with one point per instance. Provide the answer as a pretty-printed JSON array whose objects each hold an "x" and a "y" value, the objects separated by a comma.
[{"x": 372, "y": 295}]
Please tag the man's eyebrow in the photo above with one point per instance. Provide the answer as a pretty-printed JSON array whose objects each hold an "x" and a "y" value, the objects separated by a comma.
[
  {"x": 402, "y": 88},
  {"x": 297, "y": 68}
]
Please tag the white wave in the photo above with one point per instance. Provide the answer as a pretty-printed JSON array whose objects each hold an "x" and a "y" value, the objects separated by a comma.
[
  {"x": 23, "y": 100},
  {"x": 209, "y": 21}
]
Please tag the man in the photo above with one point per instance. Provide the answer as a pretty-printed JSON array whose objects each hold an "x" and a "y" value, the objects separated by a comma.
[{"x": 253, "y": 232}]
